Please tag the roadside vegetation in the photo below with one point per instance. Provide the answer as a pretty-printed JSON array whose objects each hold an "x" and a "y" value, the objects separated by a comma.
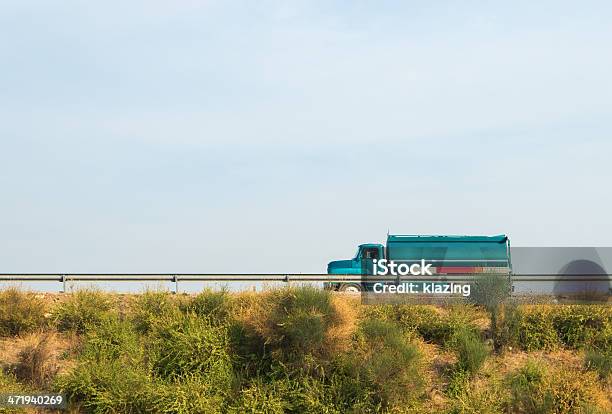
[{"x": 303, "y": 350}]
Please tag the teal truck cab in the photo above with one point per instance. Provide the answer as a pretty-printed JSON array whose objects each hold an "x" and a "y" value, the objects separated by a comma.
[{"x": 444, "y": 254}]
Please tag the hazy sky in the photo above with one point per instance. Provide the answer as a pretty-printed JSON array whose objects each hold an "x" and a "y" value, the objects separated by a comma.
[{"x": 210, "y": 136}]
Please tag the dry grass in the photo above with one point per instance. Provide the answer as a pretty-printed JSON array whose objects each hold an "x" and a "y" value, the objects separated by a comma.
[
  {"x": 339, "y": 337},
  {"x": 514, "y": 359},
  {"x": 565, "y": 374},
  {"x": 35, "y": 365},
  {"x": 436, "y": 362},
  {"x": 36, "y": 358}
]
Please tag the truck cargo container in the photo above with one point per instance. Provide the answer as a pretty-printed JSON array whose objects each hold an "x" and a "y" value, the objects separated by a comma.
[{"x": 445, "y": 255}]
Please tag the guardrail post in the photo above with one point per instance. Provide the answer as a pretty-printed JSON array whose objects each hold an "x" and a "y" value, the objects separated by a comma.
[
  {"x": 288, "y": 280},
  {"x": 176, "y": 284},
  {"x": 63, "y": 283}
]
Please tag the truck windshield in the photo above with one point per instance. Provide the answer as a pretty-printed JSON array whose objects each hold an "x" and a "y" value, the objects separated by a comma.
[{"x": 357, "y": 254}]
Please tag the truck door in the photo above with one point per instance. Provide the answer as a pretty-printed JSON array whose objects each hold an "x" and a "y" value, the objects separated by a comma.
[{"x": 368, "y": 254}]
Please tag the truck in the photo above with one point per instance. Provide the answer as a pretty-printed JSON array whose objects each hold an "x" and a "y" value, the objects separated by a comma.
[{"x": 444, "y": 254}]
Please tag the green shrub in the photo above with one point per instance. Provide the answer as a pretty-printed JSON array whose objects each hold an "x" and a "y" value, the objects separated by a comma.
[
  {"x": 445, "y": 331},
  {"x": 111, "y": 339},
  {"x": 508, "y": 327},
  {"x": 387, "y": 363},
  {"x": 110, "y": 375},
  {"x": 151, "y": 307},
  {"x": 113, "y": 387},
  {"x": 248, "y": 349},
  {"x": 490, "y": 291},
  {"x": 9, "y": 384},
  {"x": 534, "y": 328},
  {"x": 316, "y": 395},
  {"x": 599, "y": 361},
  {"x": 471, "y": 354},
  {"x": 83, "y": 308},
  {"x": 294, "y": 324},
  {"x": 302, "y": 317},
  {"x": 473, "y": 398},
  {"x": 602, "y": 340},
  {"x": 279, "y": 395},
  {"x": 572, "y": 390},
  {"x": 547, "y": 327},
  {"x": 458, "y": 382},
  {"x": 340, "y": 390},
  {"x": 260, "y": 396},
  {"x": 191, "y": 345},
  {"x": 379, "y": 334},
  {"x": 108, "y": 386},
  {"x": 117, "y": 367},
  {"x": 471, "y": 351},
  {"x": 346, "y": 392},
  {"x": 535, "y": 389},
  {"x": 427, "y": 321},
  {"x": 20, "y": 312},
  {"x": 526, "y": 386},
  {"x": 579, "y": 325},
  {"x": 186, "y": 395},
  {"x": 215, "y": 305},
  {"x": 385, "y": 312}
]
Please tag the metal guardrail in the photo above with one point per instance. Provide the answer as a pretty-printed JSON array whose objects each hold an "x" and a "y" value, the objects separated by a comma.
[{"x": 255, "y": 277}]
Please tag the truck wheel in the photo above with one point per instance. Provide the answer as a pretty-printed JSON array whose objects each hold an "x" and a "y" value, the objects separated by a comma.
[{"x": 350, "y": 288}]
